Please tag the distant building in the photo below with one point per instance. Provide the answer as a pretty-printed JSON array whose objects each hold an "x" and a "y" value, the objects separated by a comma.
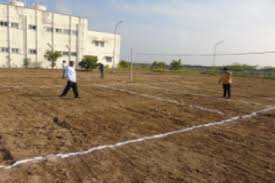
[{"x": 30, "y": 32}]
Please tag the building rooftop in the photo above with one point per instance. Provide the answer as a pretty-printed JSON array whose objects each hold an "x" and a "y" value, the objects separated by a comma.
[{"x": 32, "y": 8}]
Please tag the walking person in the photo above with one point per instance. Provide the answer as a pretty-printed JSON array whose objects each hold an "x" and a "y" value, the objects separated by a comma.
[
  {"x": 226, "y": 81},
  {"x": 70, "y": 74},
  {"x": 64, "y": 65},
  {"x": 101, "y": 70}
]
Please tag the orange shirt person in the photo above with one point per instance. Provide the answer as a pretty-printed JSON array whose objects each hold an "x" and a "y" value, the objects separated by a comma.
[{"x": 226, "y": 81}]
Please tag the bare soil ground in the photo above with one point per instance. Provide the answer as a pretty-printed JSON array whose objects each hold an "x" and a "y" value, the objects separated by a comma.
[{"x": 34, "y": 121}]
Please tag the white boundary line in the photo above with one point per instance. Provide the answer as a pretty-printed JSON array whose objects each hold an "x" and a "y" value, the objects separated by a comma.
[
  {"x": 141, "y": 84},
  {"x": 124, "y": 143},
  {"x": 193, "y": 94},
  {"x": 160, "y": 99}
]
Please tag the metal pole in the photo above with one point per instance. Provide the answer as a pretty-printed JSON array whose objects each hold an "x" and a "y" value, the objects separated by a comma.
[
  {"x": 70, "y": 39},
  {"x": 36, "y": 37},
  {"x": 69, "y": 49},
  {"x": 132, "y": 65},
  {"x": 214, "y": 56},
  {"x": 25, "y": 20},
  {"x": 78, "y": 57},
  {"x": 215, "y": 52},
  {"x": 50, "y": 46},
  {"x": 114, "y": 51},
  {"x": 9, "y": 36}
]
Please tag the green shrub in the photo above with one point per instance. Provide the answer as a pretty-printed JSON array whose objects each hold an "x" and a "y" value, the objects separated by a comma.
[
  {"x": 123, "y": 64},
  {"x": 52, "y": 57},
  {"x": 241, "y": 67},
  {"x": 158, "y": 66},
  {"x": 88, "y": 62},
  {"x": 175, "y": 65},
  {"x": 26, "y": 62}
]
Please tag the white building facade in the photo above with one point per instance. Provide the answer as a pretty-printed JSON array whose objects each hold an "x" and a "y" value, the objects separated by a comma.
[{"x": 27, "y": 33}]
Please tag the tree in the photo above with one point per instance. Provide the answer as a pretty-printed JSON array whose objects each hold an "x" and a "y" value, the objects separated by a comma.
[
  {"x": 26, "y": 62},
  {"x": 88, "y": 62},
  {"x": 175, "y": 65},
  {"x": 124, "y": 64},
  {"x": 52, "y": 57},
  {"x": 158, "y": 66}
]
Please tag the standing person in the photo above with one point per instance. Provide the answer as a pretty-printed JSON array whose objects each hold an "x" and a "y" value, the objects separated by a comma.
[
  {"x": 64, "y": 65},
  {"x": 226, "y": 80},
  {"x": 101, "y": 70},
  {"x": 71, "y": 80}
]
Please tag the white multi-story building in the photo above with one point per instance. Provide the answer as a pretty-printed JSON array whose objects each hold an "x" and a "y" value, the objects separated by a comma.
[{"x": 27, "y": 33}]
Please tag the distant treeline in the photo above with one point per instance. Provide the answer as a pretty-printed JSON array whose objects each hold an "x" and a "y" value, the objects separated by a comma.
[{"x": 177, "y": 65}]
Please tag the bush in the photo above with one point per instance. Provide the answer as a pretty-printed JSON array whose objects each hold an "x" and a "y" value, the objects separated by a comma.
[
  {"x": 26, "y": 62},
  {"x": 52, "y": 57},
  {"x": 88, "y": 62},
  {"x": 158, "y": 66},
  {"x": 175, "y": 65},
  {"x": 142, "y": 66},
  {"x": 124, "y": 64},
  {"x": 241, "y": 67}
]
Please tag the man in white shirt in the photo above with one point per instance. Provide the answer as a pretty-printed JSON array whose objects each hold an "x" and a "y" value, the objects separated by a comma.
[
  {"x": 70, "y": 74},
  {"x": 63, "y": 68}
]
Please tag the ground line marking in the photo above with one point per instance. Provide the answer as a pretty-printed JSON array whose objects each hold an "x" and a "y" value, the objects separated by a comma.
[
  {"x": 124, "y": 143},
  {"x": 160, "y": 99},
  {"x": 198, "y": 95}
]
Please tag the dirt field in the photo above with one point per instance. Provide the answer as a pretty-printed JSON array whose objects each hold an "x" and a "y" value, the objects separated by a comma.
[{"x": 114, "y": 110}]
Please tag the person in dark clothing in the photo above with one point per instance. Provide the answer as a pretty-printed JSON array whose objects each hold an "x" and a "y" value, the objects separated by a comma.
[
  {"x": 226, "y": 80},
  {"x": 101, "y": 70},
  {"x": 63, "y": 69},
  {"x": 227, "y": 90},
  {"x": 70, "y": 74}
]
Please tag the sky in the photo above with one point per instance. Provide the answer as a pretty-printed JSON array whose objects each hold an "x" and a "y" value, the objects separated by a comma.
[{"x": 182, "y": 26}]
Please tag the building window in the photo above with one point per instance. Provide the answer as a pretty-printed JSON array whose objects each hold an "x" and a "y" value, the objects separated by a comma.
[
  {"x": 74, "y": 54},
  {"x": 75, "y": 32},
  {"x": 15, "y": 50},
  {"x": 65, "y": 53},
  {"x": 32, "y": 51},
  {"x": 99, "y": 43},
  {"x": 109, "y": 59},
  {"x": 32, "y": 27},
  {"x": 15, "y": 25},
  {"x": 3, "y": 24},
  {"x": 67, "y": 31},
  {"x": 5, "y": 50},
  {"x": 57, "y": 30},
  {"x": 49, "y": 29}
]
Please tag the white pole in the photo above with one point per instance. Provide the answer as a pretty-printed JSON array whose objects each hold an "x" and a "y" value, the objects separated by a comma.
[
  {"x": 114, "y": 49},
  {"x": 132, "y": 65},
  {"x": 69, "y": 49},
  {"x": 215, "y": 52},
  {"x": 214, "y": 56}
]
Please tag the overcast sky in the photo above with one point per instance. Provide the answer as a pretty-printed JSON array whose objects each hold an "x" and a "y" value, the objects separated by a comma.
[{"x": 183, "y": 26}]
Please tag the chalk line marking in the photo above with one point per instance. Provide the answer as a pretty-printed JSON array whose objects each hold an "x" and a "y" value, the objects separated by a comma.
[
  {"x": 141, "y": 84},
  {"x": 124, "y": 143},
  {"x": 193, "y": 94},
  {"x": 160, "y": 99}
]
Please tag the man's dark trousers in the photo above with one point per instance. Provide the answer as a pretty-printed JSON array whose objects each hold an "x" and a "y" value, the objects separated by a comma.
[
  {"x": 68, "y": 87},
  {"x": 227, "y": 90},
  {"x": 102, "y": 74}
]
